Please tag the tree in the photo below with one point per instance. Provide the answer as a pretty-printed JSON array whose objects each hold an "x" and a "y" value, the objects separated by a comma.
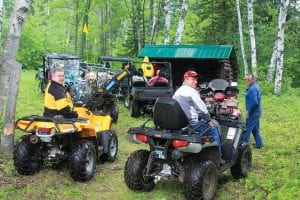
[
  {"x": 180, "y": 27},
  {"x": 1, "y": 17},
  {"x": 252, "y": 36},
  {"x": 11, "y": 67},
  {"x": 168, "y": 13},
  {"x": 241, "y": 37},
  {"x": 284, "y": 4}
]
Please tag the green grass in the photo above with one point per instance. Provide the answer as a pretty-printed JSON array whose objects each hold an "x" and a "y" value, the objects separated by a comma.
[{"x": 275, "y": 172}]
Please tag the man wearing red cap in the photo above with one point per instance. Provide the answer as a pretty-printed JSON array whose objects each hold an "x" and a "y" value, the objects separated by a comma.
[{"x": 195, "y": 109}]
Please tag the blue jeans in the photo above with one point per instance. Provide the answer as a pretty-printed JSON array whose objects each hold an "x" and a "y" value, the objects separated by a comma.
[
  {"x": 203, "y": 126},
  {"x": 252, "y": 124}
]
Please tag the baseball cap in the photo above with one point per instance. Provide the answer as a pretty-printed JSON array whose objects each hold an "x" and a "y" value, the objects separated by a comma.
[{"x": 190, "y": 74}]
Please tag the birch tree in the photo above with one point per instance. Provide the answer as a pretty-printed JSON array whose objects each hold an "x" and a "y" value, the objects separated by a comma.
[
  {"x": 284, "y": 4},
  {"x": 252, "y": 35},
  {"x": 241, "y": 37},
  {"x": 11, "y": 68},
  {"x": 168, "y": 14},
  {"x": 180, "y": 27}
]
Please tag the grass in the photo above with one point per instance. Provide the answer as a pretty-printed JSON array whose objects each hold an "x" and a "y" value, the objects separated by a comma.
[{"x": 275, "y": 172}]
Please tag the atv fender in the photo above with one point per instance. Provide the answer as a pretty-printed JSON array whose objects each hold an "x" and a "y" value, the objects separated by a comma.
[{"x": 103, "y": 140}]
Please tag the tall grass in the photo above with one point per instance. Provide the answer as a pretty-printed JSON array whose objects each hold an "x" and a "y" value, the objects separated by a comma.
[{"x": 275, "y": 172}]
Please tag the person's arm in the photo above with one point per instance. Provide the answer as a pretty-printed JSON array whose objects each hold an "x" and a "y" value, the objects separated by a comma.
[
  {"x": 63, "y": 105},
  {"x": 251, "y": 101}
]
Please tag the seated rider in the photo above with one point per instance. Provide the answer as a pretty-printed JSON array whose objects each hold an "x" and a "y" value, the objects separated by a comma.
[
  {"x": 58, "y": 102},
  {"x": 158, "y": 79},
  {"x": 195, "y": 109}
]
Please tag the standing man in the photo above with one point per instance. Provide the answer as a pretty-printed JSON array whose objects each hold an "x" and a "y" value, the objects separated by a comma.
[
  {"x": 253, "y": 111},
  {"x": 58, "y": 101},
  {"x": 195, "y": 109}
]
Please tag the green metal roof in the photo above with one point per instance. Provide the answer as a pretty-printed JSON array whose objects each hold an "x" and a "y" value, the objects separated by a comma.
[{"x": 187, "y": 51}]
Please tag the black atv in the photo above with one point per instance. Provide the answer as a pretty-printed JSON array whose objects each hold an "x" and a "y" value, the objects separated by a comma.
[{"x": 178, "y": 151}]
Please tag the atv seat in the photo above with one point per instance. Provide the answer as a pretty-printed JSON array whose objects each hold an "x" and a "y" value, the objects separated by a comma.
[{"x": 168, "y": 114}]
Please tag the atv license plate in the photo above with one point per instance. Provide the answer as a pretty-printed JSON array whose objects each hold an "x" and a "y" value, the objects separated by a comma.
[{"x": 159, "y": 154}]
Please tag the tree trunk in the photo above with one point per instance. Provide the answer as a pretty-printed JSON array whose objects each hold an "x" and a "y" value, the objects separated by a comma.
[
  {"x": 77, "y": 20},
  {"x": 11, "y": 46},
  {"x": 168, "y": 13},
  {"x": 280, "y": 45},
  {"x": 8, "y": 64},
  {"x": 180, "y": 27},
  {"x": 241, "y": 37},
  {"x": 110, "y": 27},
  {"x": 252, "y": 35},
  {"x": 270, "y": 73},
  {"x": 83, "y": 49},
  {"x": 1, "y": 18},
  {"x": 7, "y": 138}
]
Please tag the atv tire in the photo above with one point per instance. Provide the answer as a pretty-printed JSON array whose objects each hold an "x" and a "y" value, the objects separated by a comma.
[
  {"x": 201, "y": 180},
  {"x": 83, "y": 161},
  {"x": 134, "y": 109},
  {"x": 26, "y": 159},
  {"x": 243, "y": 163},
  {"x": 114, "y": 112},
  {"x": 112, "y": 149},
  {"x": 135, "y": 168}
]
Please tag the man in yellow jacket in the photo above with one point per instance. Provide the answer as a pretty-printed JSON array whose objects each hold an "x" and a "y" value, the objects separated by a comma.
[{"x": 58, "y": 101}]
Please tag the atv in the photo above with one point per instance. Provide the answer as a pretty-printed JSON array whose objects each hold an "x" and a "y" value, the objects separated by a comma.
[
  {"x": 78, "y": 142},
  {"x": 177, "y": 151}
]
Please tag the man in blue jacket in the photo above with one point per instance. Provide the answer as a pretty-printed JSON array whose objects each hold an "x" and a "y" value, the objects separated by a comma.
[{"x": 254, "y": 110}]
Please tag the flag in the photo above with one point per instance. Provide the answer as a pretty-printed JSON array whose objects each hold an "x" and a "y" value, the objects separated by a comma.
[
  {"x": 95, "y": 41},
  {"x": 85, "y": 29}
]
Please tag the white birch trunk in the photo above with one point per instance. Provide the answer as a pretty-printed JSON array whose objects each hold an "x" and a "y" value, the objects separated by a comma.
[
  {"x": 252, "y": 35},
  {"x": 284, "y": 4},
  {"x": 241, "y": 37},
  {"x": 9, "y": 64},
  {"x": 168, "y": 12},
  {"x": 180, "y": 27},
  {"x": 271, "y": 69}
]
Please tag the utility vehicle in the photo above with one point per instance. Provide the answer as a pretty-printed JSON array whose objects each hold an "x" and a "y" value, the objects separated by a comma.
[{"x": 71, "y": 66}]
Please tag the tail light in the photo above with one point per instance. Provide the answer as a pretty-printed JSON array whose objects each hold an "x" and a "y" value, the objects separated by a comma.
[
  {"x": 44, "y": 131},
  {"x": 136, "y": 95},
  {"x": 179, "y": 143},
  {"x": 219, "y": 96},
  {"x": 141, "y": 137}
]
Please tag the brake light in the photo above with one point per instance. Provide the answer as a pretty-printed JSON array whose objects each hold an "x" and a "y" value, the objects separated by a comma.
[
  {"x": 179, "y": 143},
  {"x": 219, "y": 96},
  {"x": 44, "y": 130},
  {"x": 141, "y": 137}
]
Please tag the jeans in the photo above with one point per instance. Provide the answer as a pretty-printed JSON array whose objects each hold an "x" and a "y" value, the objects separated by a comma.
[
  {"x": 203, "y": 127},
  {"x": 252, "y": 124}
]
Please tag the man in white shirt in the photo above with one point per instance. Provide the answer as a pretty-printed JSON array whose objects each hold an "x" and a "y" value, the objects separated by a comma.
[{"x": 195, "y": 109}]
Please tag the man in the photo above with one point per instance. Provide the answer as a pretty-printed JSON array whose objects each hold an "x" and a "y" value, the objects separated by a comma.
[
  {"x": 158, "y": 80},
  {"x": 253, "y": 111},
  {"x": 195, "y": 109},
  {"x": 58, "y": 102}
]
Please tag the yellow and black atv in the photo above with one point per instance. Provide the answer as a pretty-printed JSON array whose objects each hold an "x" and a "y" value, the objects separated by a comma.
[{"x": 78, "y": 142}]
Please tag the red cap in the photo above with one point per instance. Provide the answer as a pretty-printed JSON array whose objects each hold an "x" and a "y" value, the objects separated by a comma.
[{"x": 190, "y": 74}]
